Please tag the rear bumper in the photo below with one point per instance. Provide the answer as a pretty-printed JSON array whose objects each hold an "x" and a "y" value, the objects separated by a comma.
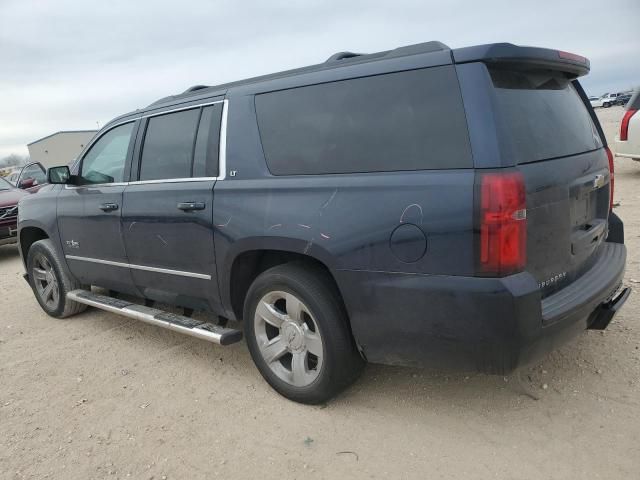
[
  {"x": 484, "y": 324},
  {"x": 626, "y": 148}
]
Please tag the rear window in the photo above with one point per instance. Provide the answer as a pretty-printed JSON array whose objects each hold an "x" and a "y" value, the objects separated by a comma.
[
  {"x": 542, "y": 115},
  {"x": 401, "y": 121}
]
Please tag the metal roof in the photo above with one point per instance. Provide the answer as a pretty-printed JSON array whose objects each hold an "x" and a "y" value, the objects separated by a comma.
[{"x": 59, "y": 132}]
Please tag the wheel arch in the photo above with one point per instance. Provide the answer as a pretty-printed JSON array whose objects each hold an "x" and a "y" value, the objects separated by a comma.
[
  {"x": 28, "y": 236},
  {"x": 245, "y": 264}
]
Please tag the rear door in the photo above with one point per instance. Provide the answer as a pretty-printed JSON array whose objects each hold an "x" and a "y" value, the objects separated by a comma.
[
  {"x": 167, "y": 213},
  {"x": 545, "y": 129}
]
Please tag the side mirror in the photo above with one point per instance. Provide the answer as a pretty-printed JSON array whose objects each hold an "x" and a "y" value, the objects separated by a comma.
[
  {"x": 59, "y": 175},
  {"x": 26, "y": 183}
]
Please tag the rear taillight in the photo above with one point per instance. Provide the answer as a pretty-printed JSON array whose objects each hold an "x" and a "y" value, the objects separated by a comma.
[
  {"x": 624, "y": 125},
  {"x": 503, "y": 223},
  {"x": 572, "y": 56},
  {"x": 611, "y": 175}
]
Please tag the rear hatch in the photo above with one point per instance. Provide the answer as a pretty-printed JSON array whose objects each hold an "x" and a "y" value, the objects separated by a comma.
[{"x": 547, "y": 130}]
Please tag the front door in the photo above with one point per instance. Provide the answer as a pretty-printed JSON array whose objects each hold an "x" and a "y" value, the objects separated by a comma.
[
  {"x": 89, "y": 213},
  {"x": 167, "y": 216}
]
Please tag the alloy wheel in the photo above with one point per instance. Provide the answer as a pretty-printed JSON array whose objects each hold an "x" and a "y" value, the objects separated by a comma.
[
  {"x": 45, "y": 281},
  {"x": 288, "y": 338}
]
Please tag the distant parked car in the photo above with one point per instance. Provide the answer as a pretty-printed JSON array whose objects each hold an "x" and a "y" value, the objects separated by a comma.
[
  {"x": 13, "y": 175},
  {"x": 32, "y": 177},
  {"x": 9, "y": 197},
  {"x": 628, "y": 138},
  {"x": 605, "y": 100},
  {"x": 622, "y": 99}
]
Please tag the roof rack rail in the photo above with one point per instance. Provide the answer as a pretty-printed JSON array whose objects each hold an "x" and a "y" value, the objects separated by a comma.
[
  {"x": 194, "y": 88},
  {"x": 160, "y": 100},
  {"x": 425, "y": 47},
  {"x": 341, "y": 56}
]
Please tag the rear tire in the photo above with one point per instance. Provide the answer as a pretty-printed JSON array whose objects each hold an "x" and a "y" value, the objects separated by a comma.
[
  {"x": 50, "y": 281},
  {"x": 298, "y": 336}
]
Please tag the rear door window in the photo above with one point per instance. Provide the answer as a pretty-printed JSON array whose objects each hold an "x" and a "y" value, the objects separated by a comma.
[
  {"x": 410, "y": 120},
  {"x": 182, "y": 144},
  {"x": 541, "y": 115},
  {"x": 168, "y": 145}
]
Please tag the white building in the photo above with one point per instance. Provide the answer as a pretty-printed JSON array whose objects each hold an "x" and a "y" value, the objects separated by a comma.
[{"x": 59, "y": 148}]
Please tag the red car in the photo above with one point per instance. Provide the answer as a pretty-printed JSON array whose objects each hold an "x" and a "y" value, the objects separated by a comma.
[
  {"x": 9, "y": 198},
  {"x": 32, "y": 177}
]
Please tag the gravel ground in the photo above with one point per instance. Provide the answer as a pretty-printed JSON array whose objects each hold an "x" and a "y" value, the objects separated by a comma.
[{"x": 99, "y": 396}]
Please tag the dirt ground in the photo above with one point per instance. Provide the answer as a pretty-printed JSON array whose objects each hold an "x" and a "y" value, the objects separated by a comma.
[{"x": 100, "y": 396}]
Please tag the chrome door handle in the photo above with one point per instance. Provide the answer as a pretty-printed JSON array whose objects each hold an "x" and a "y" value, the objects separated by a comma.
[
  {"x": 191, "y": 206},
  {"x": 109, "y": 207}
]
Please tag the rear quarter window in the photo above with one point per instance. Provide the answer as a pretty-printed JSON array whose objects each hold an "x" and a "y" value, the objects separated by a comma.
[
  {"x": 401, "y": 121},
  {"x": 541, "y": 115}
]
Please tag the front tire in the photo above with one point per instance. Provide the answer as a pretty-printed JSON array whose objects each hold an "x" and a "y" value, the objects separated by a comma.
[
  {"x": 50, "y": 281},
  {"x": 298, "y": 336}
]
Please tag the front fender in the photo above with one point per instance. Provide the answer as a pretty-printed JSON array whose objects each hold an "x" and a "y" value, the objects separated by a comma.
[{"x": 39, "y": 212}]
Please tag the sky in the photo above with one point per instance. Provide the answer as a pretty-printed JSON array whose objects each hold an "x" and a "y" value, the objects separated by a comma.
[{"x": 74, "y": 65}]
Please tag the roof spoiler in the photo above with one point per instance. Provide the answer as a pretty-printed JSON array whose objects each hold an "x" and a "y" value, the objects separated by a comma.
[{"x": 508, "y": 53}]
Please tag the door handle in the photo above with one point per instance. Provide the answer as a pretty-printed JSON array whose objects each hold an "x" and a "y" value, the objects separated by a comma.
[
  {"x": 191, "y": 206},
  {"x": 109, "y": 207}
]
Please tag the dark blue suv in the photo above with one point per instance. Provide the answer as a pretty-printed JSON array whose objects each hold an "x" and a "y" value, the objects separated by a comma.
[{"x": 419, "y": 206}]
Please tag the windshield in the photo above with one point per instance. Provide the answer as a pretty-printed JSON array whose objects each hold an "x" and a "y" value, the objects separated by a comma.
[{"x": 4, "y": 185}]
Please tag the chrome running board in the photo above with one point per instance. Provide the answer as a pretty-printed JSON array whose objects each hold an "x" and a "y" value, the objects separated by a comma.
[{"x": 178, "y": 323}]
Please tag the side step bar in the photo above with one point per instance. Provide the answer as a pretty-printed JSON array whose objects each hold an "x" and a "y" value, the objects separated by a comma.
[{"x": 179, "y": 323}]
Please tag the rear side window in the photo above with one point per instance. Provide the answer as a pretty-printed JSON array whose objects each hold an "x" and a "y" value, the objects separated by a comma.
[
  {"x": 542, "y": 115},
  {"x": 401, "y": 121},
  {"x": 168, "y": 145}
]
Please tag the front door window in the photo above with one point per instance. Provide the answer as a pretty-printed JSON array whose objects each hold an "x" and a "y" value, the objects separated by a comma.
[{"x": 105, "y": 162}]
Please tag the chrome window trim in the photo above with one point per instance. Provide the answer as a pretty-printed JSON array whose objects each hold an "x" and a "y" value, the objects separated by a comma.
[
  {"x": 222, "y": 151},
  {"x": 222, "y": 144},
  {"x": 140, "y": 267},
  {"x": 156, "y": 114},
  {"x": 97, "y": 185},
  {"x": 173, "y": 180}
]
